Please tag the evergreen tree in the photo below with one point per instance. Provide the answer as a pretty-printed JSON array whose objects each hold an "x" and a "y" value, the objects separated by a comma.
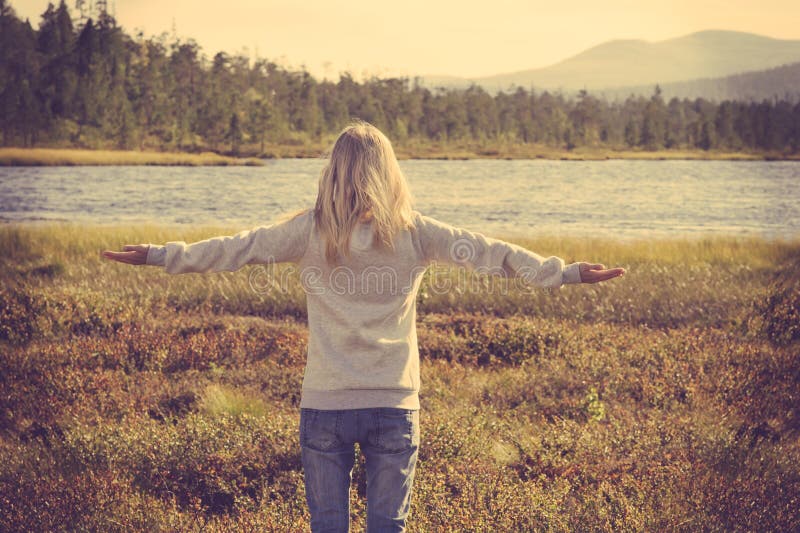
[
  {"x": 234, "y": 133},
  {"x": 21, "y": 116},
  {"x": 724, "y": 125},
  {"x": 654, "y": 125},
  {"x": 708, "y": 136},
  {"x": 585, "y": 118}
]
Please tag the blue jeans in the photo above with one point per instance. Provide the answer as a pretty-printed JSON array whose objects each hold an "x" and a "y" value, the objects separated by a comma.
[{"x": 389, "y": 439}]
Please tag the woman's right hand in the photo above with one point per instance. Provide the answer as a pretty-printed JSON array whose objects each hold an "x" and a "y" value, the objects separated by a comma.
[
  {"x": 595, "y": 273},
  {"x": 133, "y": 254}
]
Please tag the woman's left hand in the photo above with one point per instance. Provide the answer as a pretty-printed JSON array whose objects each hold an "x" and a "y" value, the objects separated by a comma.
[{"x": 134, "y": 254}]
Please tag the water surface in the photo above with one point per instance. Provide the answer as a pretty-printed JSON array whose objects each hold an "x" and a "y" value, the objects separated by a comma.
[{"x": 622, "y": 199}]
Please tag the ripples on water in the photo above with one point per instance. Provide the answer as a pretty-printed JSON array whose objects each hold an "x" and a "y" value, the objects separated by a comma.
[{"x": 622, "y": 199}]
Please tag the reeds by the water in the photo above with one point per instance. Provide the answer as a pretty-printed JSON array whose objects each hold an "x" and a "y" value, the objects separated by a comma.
[
  {"x": 405, "y": 150},
  {"x": 72, "y": 157},
  {"x": 414, "y": 149}
]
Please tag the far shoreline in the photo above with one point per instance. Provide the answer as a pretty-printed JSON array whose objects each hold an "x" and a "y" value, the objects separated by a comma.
[{"x": 26, "y": 157}]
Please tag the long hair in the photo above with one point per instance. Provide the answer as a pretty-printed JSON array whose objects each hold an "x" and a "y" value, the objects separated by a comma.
[{"x": 361, "y": 181}]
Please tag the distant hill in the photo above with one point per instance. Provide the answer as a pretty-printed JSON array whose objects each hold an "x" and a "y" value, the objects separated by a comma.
[
  {"x": 782, "y": 83},
  {"x": 632, "y": 63}
]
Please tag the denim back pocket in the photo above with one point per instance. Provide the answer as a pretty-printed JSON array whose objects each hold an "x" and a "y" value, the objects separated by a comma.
[
  {"x": 397, "y": 429},
  {"x": 320, "y": 430}
]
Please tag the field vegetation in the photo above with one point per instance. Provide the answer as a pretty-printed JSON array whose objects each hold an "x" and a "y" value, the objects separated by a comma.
[
  {"x": 71, "y": 157},
  {"x": 465, "y": 149},
  {"x": 132, "y": 400},
  {"x": 407, "y": 150}
]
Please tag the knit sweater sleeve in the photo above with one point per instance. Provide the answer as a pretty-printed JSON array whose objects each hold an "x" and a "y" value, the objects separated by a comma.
[
  {"x": 284, "y": 241},
  {"x": 444, "y": 243}
]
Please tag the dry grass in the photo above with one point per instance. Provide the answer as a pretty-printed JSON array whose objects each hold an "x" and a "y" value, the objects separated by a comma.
[
  {"x": 72, "y": 157},
  {"x": 131, "y": 400},
  {"x": 494, "y": 150},
  {"x": 405, "y": 150}
]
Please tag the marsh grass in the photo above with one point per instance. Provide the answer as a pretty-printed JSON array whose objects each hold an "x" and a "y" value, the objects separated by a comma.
[
  {"x": 131, "y": 400},
  {"x": 72, "y": 157},
  {"x": 416, "y": 149},
  {"x": 410, "y": 149}
]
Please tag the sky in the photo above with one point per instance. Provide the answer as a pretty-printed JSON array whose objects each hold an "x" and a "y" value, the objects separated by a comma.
[{"x": 464, "y": 38}]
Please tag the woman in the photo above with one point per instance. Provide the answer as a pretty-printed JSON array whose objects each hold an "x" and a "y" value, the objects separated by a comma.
[{"x": 362, "y": 252}]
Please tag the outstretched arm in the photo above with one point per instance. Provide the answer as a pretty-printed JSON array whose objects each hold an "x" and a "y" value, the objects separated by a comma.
[
  {"x": 284, "y": 241},
  {"x": 445, "y": 243}
]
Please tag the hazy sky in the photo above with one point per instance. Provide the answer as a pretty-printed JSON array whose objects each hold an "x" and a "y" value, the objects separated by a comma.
[{"x": 456, "y": 37}]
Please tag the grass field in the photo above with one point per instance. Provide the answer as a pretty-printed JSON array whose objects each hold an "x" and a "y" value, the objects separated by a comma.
[
  {"x": 408, "y": 150},
  {"x": 667, "y": 400}
]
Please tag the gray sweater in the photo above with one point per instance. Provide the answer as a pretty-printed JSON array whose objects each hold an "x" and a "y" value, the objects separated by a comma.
[{"x": 362, "y": 347}]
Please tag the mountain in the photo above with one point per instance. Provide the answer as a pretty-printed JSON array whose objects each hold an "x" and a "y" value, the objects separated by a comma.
[
  {"x": 782, "y": 83},
  {"x": 626, "y": 63}
]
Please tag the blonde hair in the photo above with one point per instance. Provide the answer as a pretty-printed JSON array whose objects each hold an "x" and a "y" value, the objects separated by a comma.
[{"x": 362, "y": 180}]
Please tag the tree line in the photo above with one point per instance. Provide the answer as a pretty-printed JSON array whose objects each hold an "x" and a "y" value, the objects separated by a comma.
[{"x": 96, "y": 86}]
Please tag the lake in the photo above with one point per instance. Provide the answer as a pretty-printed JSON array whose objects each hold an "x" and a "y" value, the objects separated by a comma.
[{"x": 620, "y": 199}]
